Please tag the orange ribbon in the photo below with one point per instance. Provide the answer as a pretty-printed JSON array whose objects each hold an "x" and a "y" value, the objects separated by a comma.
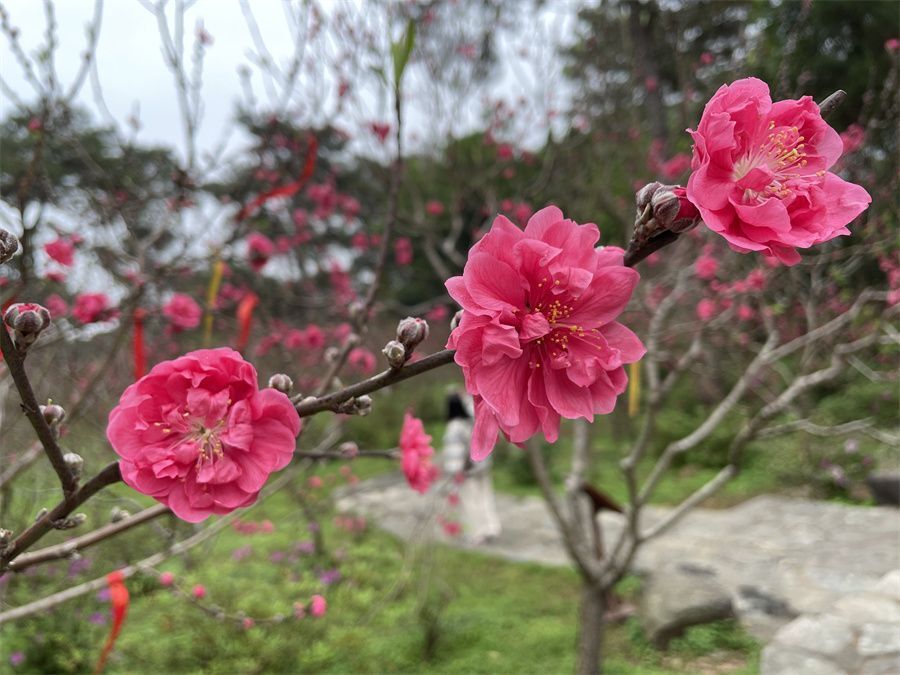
[
  {"x": 245, "y": 318},
  {"x": 118, "y": 599}
]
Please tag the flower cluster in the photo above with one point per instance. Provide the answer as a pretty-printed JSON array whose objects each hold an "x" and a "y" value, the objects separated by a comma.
[{"x": 415, "y": 454}]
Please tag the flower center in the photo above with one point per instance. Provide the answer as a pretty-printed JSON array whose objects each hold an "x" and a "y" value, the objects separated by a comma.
[
  {"x": 766, "y": 170},
  {"x": 209, "y": 444}
]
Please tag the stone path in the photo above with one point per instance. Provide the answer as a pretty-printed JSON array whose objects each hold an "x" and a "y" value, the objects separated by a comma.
[{"x": 777, "y": 557}]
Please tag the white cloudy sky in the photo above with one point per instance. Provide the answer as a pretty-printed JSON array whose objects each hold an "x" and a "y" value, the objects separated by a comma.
[{"x": 134, "y": 77}]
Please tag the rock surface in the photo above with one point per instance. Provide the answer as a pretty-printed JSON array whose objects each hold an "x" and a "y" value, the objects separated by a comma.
[
  {"x": 680, "y": 596},
  {"x": 777, "y": 557},
  {"x": 860, "y": 633}
]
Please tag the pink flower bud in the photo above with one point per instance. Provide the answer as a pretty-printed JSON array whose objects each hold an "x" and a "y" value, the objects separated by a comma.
[
  {"x": 281, "y": 382},
  {"x": 199, "y": 592},
  {"x": 166, "y": 579},
  {"x": 411, "y": 331},
  {"x": 27, "y": 319},
  {"x": 348, "y": 449},
  {"x": 9, "y": 244}
]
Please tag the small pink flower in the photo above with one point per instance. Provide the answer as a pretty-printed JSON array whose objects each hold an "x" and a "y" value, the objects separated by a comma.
[
  {"x": 199, "y": 591},
  {"x": 247, "y": 623},
  {"x": 61, "y": 250},
  {"x": 706, "y": 267},
  {"x": 538, "y": 339},
  {"x": 92, "y": 307},
  {"x": 745, "y": 312},
  {"x": 892, "y": 45},
  {"x": 182, "y": 312},
  {"x": 198, "y": 435},
  {"x": 380, "y": 130},
  {"x": 315, "y": 482},
  {"x": 415, "y": 454},
  {"x": 166, "y": 579},
  {"x": 706, "y": 309},
  {"x": 362, "y": 360},
  {"x": 760, "y": 173},
  {"x": 673, "y": 168},
  {"x": 259, "y": 249},
  {"x": 853, "y": 137},
  {"x": 434, "y": 208},
  {"x": 56, "y": 306},
  {"x": 318, "y": 606},
  {"x": 403, "y": 251},
  {"x": 756, "y": 280}
]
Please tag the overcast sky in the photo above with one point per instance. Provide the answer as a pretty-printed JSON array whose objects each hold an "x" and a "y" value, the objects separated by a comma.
[{"x": 135, "y": 78}]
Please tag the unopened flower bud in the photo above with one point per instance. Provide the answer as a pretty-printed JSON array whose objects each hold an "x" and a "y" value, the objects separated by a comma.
[
  {"x": 348, "y": 449},
  {"x": 665, "y": 205},
  {"x": 331, "y": 354},
  {"x": 117, "y": 513},
  {"x": 5, "y": 536},
  {"x": 53, "y": 414},
  {"x": 27, "y": 319},
  {"x": 645, "y": 194},
  {"x": 9, "y": 244},
  {"x": 74, "y": 462},
  {"x": 281, "y": 382},
  {"x": 357, "y": 307},
  {"x": 411, "y": 331},
  {"x": 363, "y": 405},
  {"x": 454, "y": 322},
  {"x": 395, "y": 353}
]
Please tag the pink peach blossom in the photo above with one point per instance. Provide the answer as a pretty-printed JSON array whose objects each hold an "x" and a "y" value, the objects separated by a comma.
[
  {"x": 362, "y": 359},
  {"x": 760, "y": 173},
  {"x": 166, "y": 579},
  {"x": 706, "y": 267},
  {"x": 61, "y": 250},
  {"x": 434, "y": 208},
  {"x": 259, "y": 249},
  {"x": 92, "y": 307},
  {"x": 198, "y": 435},
  {"x": 318, "y": 606},
  {"x": 56, "y": 306},
  {"x": 182, "y": 311},
  {"x": 415, "y": 454},
  {"x": 538, "y": 339},
  {"x": 199, "y": 591},
  {"x": 706, "y": 309},
  {"x": 853, "y": 137}
]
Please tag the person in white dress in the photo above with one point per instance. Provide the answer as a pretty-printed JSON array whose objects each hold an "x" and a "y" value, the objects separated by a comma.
[{"x": 481, "y": 522}]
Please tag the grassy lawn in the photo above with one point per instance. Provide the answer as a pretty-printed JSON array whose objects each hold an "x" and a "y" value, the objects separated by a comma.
[{"x": 394, "y": 609}]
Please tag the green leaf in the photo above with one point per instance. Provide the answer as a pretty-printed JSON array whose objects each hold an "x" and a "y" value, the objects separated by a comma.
[{"x": 401, "y": 50}]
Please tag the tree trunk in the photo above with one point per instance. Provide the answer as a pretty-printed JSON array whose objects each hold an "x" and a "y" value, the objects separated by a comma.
[{"x": 590, "y": 630}]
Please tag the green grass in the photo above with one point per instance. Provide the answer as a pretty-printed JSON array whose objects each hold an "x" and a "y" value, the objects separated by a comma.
[{"x": 481, "y": 615}]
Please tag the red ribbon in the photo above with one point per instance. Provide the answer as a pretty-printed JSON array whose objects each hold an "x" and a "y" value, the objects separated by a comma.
[
  {"x": 245, "y": 318},
  {"x": 140, "y": 359},
  {"x": 287, "y": 190},
  {"x": 118, "y": 599}
]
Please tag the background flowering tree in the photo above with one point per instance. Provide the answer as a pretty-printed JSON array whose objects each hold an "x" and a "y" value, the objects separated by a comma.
[{"x": 303, "y": 245}]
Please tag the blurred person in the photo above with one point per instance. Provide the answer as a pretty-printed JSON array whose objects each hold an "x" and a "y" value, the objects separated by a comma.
[{"x": 476, "y": 493}]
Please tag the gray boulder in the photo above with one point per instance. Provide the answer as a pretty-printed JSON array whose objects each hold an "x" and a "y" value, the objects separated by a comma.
[{"x": 679, "y": 596}]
